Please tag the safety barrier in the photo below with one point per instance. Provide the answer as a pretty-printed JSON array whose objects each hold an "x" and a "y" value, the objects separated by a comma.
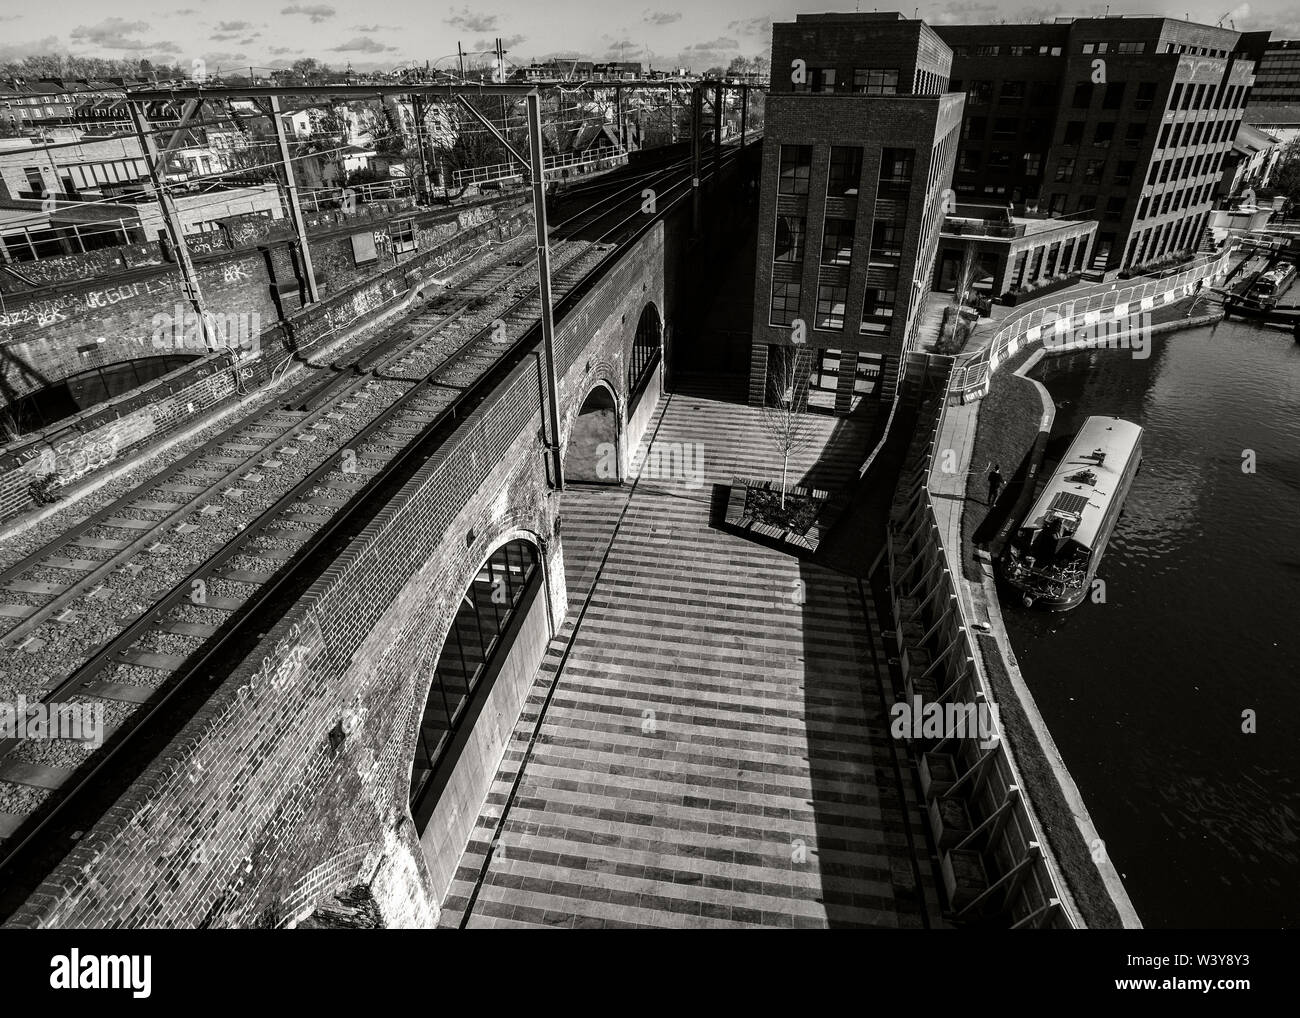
[
  {"x": 996, "y": 864},
  {"x": 973, "y": 377}
]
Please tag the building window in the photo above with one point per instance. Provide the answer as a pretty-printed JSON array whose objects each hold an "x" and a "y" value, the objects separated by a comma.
[
  {"x": 1131, "y": 47},
  {"x": 822, "y": 79},
  {"x": 877, "y": 310},
  {"x": 988, "y": 51},
  {"x": 501, "y": 585},
  {"x": 876, "y": 81},
  {"x": 886, "y": 242},
  {"x": 796, "y": 167},
  {"x": 830, "y": 306},
  {"x": 1013, "y": 92},
  {"x": 1163, "y": 142},
  {"x": 1134, "y": 133},
  {"x": 845, "y": 171},
  {"x": 837, "y": 242},
  {"x": 968, "y": 161},
  {"x": 1114, "y": 206},
  {"x": 1073, "y": 132},
  {"x": 1033, "y": 164},
  {"x": 790, "y": 239},
  {"x": 1082, "y": 96},
  {"x": 1175, "y": 96},
  {"x": 1065, "y": 169},
  {"x": 1113, "y": 98},
  {"x": 896, "y": 166},
  {"x": 1104, "y": 134},
  {"x": 1146, "y": 95},
  {"x": 974, "y": 128},
  {"x": 785, "y": 302},
  {"x": 1124, "y": 172},
  {"x": 979, "y": 93},
  {"x": 1005, "y": 127}
]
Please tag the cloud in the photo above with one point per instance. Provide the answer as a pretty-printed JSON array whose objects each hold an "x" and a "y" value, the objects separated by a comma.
[
  {"x": 661, "y": 17},
  {"x": 282, "y": 50},
  {"x": 722, "y": 42},
  {"x": 112, "y": 33},
  {"x": 213, "y": 59},
  {"x": 317, "y": 12},
  {"x": 16, "y": 51},
  {"x": 468, "y": 21},
  {"x": 751, "y": 26},
  {"x": 377, "y": 28},
  {"x": 361, "y": 45},
  {"x": 507, "y": 42},
  {"x": 234, "y": 26}
]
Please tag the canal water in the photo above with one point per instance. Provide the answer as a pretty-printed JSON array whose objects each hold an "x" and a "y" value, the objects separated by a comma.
[{"x": 1145, "y": 693}]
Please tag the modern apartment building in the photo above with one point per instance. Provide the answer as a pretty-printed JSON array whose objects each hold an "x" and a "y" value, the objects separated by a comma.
[
  {"x": 1124, "y": 120},
  {"x": 859, "y": 146},
  {"x": 1277, "y": 73}
]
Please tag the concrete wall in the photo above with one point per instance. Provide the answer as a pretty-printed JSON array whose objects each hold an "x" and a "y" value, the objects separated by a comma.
[{"x": 261, "y": 815}]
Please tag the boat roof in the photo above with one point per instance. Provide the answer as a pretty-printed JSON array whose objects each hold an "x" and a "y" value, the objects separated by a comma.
[{"x": 1115, "y": 437}]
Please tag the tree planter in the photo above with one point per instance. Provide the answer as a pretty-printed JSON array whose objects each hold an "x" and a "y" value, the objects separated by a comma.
[
  {"x": 753, "y": 507},
  {"x": 1012, "y": 299}
]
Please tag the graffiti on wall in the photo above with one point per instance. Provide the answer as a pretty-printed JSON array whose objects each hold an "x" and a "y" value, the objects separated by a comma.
[{"x": 43, "y": 313}]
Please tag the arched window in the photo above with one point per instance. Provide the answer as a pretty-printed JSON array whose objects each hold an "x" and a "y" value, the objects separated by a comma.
[
  {"x": 645, "y": 351},
  {"x": 476, "y": 636}
]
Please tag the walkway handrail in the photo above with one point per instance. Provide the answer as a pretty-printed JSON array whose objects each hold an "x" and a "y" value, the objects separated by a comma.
[
  {"x": 1007, "y": 340},
  {"x": 1035, "y": 889}
]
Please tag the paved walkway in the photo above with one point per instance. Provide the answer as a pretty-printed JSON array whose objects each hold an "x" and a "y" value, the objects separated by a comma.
[{"x": 713, "y": 752}]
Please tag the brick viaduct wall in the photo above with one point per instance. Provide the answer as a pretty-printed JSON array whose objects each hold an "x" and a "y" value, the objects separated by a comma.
[
  {"x": 79, "y": 445},
  {"x": 82, "y": 323},
  {"x": 253, "y": 813}
]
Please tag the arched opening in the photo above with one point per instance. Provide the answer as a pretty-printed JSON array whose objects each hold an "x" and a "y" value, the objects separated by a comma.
[
  {"x": 88, "y": 388},
  {"x": 592, "y": 452},
  {"x": 646, "y": 349},
  {"x": 489, "y": 619}
]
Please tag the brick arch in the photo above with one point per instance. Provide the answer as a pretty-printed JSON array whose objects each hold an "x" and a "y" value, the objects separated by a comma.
[
  {"x": 584, "y": 433},
  {"x": 439, "y": 631}
]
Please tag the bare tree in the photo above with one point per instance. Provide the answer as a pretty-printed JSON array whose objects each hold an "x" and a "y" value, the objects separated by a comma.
[{"x": 785, "y": 415}]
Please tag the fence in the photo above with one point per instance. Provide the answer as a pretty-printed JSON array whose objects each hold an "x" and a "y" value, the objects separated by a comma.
[
  {"x": 994, "y": 858},
  {"x": 318, "y": 198},
  {"x": 973, "y": 377},
  {"x": 566, "y": 160}
]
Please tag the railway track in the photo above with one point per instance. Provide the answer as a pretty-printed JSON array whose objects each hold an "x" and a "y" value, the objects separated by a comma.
[{"x": 132, "y": 604}]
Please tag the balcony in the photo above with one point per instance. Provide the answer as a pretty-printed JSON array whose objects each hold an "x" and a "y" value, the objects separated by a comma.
[{"x": 963, "y": 227}]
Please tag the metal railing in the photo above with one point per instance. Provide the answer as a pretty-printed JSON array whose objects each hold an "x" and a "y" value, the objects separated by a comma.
[
  {"x": 565, "y": 160},
  {"x": 995, "y": 859},
  {"x": 1031, "y": 322}
]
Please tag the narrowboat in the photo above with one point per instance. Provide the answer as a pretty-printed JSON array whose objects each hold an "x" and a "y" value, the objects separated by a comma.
[
  {"x": 1053, "y": 556},
  {"x": 1268, "y": 289}
]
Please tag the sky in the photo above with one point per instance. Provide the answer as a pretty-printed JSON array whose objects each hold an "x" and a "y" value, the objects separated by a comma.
[{"x": 226, "y": 34}]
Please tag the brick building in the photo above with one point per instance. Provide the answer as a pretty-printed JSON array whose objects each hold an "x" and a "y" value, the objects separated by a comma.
[
  {"x": 1124, "y": 120},
  {"x": 860, "y": 143}
]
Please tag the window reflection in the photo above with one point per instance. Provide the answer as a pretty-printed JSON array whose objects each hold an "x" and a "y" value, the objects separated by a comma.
[{"x": 476, "y": 634}]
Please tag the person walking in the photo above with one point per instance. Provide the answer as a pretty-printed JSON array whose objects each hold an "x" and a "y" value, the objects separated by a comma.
[{"x": 995, "y": 483}]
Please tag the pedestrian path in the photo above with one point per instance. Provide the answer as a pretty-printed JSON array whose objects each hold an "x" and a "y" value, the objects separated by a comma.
[{"x": 715, "y": 746}]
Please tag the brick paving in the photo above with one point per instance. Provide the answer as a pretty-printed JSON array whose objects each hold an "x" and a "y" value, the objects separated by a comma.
[{"x": 713, "y": 753}]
